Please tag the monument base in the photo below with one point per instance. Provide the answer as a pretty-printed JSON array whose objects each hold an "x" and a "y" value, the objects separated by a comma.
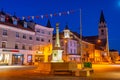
[{"x": 53, "y": 68}]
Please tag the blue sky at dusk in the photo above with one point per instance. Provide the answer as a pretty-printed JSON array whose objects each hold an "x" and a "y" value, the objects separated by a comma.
[{"x": 90, "y": 14}]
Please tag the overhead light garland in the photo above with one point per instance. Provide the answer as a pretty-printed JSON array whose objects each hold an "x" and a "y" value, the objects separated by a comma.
[{"x": 48, "y": 15}]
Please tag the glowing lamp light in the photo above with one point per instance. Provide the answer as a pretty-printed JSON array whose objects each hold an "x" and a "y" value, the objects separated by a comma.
[{"x": 99, "y": 41}]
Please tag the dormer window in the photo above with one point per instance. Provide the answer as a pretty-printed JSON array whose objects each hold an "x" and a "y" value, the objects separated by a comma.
[
  {"x": 15, "y": 21},
  {"x": 25, "y": 24},
  {"x": 2, "y": 18}
]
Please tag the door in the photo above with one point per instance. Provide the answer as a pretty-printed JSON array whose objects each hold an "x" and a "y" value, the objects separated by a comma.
[{"x": 17, "y": 59}]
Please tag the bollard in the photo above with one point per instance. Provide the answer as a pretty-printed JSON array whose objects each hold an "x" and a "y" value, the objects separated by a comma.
[{"x": 88, "y": 73}]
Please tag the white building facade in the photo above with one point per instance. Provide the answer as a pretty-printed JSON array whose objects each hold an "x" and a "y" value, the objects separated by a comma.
[{"x": 18, "y": 42}]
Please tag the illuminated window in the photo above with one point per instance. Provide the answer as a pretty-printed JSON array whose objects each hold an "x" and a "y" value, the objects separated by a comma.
[
  {"x": 5, "y": 32},
  {"x": 3, "y": 44}
]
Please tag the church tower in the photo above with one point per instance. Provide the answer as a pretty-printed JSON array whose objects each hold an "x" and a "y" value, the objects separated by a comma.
[
  {"x": 66, "y": 32},
  {"x": 102, "y": 28},
  {"x": 103, "y": 34}
]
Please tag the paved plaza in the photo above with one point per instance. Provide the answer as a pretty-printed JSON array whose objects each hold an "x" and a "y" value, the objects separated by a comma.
[{"x": 101, "y": 72}]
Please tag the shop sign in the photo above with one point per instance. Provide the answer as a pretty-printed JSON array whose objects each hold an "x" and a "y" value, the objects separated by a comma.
[{"x": 6, "y": 50}]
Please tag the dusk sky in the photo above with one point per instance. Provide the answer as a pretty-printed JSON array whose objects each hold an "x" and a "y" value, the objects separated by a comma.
[{"x": 90, "y": 14}]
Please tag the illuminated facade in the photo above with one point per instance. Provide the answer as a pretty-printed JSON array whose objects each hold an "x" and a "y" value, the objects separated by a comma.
[
  {"x": 70, "y": 43},
  {"x": 57, "y": 51},
  {"x": 94, "y": 48},
  {"x": 100, "y": 41},
  {"x": 21, "y": 41}
]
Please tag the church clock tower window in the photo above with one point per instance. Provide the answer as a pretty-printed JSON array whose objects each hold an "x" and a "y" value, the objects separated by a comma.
[{"x": 102, "y": 32}]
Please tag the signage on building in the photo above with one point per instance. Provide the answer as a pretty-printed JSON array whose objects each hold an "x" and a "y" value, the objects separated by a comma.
[{"x": 6, "y": 50}]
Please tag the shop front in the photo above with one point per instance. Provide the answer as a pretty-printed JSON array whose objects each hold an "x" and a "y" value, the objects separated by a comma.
[
  {"x": 39, "y": 58},
  {"x": 29, "y": 59},
  {"x": 17, "y": 59},
  {"x": 4, "y": 58}
]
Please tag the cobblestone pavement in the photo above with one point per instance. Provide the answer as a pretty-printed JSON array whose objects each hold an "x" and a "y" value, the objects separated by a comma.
[{"x": 101, "y": 72}]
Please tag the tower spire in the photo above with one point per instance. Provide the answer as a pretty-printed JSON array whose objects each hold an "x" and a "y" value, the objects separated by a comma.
[
  {"x": 102, "y": 19},
  {"x": 48, "y": 24},
  {"x": 66, "y": 27}
]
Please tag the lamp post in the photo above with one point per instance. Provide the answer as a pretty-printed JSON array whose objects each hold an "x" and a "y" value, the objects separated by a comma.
[{"x": 81, "y": 39}]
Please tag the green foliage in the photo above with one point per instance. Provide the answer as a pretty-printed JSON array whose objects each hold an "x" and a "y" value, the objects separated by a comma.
[{"x": 87, "y": 65}]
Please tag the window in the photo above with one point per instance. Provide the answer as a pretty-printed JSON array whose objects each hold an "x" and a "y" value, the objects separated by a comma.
[
  {"x": 38, "y": 30},
  {"x": 70, "y": 50},
  {"x": 102, "y": 32},
  {"x": 30, "y": 47},
  {"x": 24, "y": 36},
  {"x": 74, "y": 51},
  {"x": 30, "y": 37},
  {"x": 23, "y": 46},
  {"x": 70, "y": 43},
  {"x": 43, "y": 31},
  {"x": 49, "y": 33},
  {"x": 49, "y": 40},
  {"x": 42, "y": 40},
  {"x": 16, "y": 46},
  {"x": 37, "y": 39},
  {"x": 86, "y": 46},
  {"x": 15, "y": 22},
  {"x": 17, "y": 34},
  {"x": 5, "y": 32},
  {"x": 3, "y": 44},
  {"x": 25, "y": 24},
  {"x": 2, "y": 18}
]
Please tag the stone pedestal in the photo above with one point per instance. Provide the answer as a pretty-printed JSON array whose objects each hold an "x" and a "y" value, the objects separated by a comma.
[
  {"x": 83, "y": 72},
  {"x": 50, "y": 68}
]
